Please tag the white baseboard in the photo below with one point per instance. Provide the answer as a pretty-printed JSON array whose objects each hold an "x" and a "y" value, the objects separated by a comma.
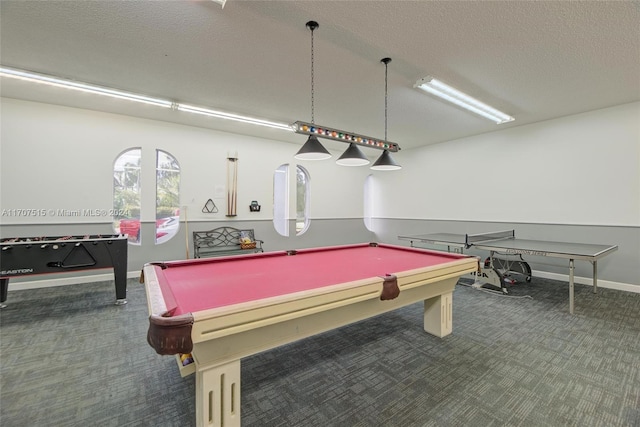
[
  {"x": 63, "y": 281},
  {"x": 15, "y": 286},
  {"x": 628, "y": 287}
]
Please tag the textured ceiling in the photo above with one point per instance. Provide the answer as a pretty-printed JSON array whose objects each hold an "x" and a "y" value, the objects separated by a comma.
[{"x": 535, "y": 60}]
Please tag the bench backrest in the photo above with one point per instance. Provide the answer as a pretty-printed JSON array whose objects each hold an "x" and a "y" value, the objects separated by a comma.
[{"x": 221, "y": 239}]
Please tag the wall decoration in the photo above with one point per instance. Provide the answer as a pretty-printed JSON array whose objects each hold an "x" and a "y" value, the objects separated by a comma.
[
  {"x": 209, "y": 207},
  {"x": 254, "y": 206}
]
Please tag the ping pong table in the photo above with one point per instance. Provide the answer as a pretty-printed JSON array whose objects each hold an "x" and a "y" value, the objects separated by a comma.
[{"x": 505, "y": 242}]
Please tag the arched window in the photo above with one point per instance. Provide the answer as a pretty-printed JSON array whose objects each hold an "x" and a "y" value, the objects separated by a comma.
[
  {"x": 126, "y": 194},
  {"x": 167, "y": 196},
  {"x": 281, "y": 200},
  {"x": 368, "y": 202},
  {"x": 302, "y": 200},
  {"x": 127, "y": 201}
]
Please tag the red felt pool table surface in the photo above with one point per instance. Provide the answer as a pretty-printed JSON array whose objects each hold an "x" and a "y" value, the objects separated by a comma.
[{"x": 195, "y": 285}]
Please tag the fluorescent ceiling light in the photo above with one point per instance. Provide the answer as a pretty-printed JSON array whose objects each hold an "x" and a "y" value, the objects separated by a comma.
[
  {"x": 83, "y": 87},
  {"x": 130, "y": 96},
  {"x": 453, "y": 95},
  {"x": 235, "y": 117}
]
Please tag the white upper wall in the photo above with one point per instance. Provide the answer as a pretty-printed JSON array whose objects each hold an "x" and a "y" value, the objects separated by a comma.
[
  {"x": 54, "y": 157},
  {"x": 582, "y": 169}
]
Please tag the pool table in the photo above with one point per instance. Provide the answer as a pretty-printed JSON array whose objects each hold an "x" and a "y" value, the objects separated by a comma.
[{"x": 223, "y": 309}]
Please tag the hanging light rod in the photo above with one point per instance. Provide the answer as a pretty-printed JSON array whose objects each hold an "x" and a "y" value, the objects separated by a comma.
[
  {"x": 385, "y": 162},
  {"x": 442, "y": 90},
  {"x": 343, "y": 136},
  {"x": 312, "y": 149}
]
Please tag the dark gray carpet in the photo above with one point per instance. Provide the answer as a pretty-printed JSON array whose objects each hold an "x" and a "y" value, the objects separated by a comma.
[{"x": 71, "y": 358}]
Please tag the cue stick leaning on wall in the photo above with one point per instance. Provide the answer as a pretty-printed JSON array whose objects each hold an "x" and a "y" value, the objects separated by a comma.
[
  {"x": 186, "y": 231},
  {"x": 232, "y": 185}
]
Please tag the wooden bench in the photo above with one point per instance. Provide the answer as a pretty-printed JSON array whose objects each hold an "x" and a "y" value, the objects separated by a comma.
[{"x": 224, "y": 241}]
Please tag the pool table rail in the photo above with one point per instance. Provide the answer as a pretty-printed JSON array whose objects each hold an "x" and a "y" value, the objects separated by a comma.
[
  {"x": 173, "y": 335},
  {"x": 269, "y": 324}
]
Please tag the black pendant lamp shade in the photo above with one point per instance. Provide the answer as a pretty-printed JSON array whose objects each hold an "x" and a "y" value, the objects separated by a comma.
[
  {"x": 385, "y": 163},
  {"x": 353, "y": 156},
  {"x": 312, "y": 150}
]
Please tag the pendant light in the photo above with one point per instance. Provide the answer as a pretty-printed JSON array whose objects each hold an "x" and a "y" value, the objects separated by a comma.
[
  {"x": 353, "y": 156},
  {"x": 385, "y": 162},
  {"x": 312, "y": 149}
]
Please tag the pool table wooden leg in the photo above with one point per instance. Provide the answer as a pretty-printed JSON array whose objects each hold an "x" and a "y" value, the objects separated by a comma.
[
  {"x": 218, "y": 396},
  {"x": 438, "y": 315}
]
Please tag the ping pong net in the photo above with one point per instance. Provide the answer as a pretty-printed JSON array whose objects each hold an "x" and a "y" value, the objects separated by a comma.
[{"x": 472, "y": 239}]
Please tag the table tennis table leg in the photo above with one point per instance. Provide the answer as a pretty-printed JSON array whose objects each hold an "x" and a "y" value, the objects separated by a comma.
[
  {"x": 595, "y": 277},
  {"x": 571, "y": 272}
]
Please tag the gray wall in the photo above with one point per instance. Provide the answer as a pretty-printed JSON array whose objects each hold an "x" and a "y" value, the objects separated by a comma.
[{"x": 619, "y": 270}]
